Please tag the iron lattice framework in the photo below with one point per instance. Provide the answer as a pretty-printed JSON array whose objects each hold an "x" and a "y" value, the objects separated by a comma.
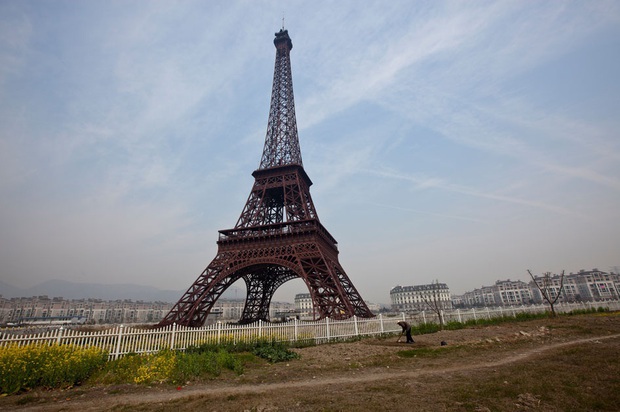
[{"x": 278, "y": 236}]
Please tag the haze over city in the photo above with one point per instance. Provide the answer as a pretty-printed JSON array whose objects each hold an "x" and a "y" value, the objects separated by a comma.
[{"x": 463, "y": 142}]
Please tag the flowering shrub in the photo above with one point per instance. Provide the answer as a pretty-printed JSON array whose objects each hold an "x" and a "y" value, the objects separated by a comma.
[
  {"x": 61, "y": 366},
  {"x": 168, "y": 366},
  {"x": 156, "y": 368},
  {"x": 49, "y": 366}
]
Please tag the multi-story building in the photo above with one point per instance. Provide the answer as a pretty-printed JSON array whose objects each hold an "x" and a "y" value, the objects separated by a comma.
[
  {"x": 596, "y": 285},
  {"x": 593, "y": 285},
  {"x": 304, "y": 309},
  {"x": 303, "y": 305},
  {"x": 509, "y": 292},
  {"x": 41, "y": 309},
  {"x": 420, "y": 297},
  {"x": 554, "y": 285},
  {"x": 484, "y": 296}
]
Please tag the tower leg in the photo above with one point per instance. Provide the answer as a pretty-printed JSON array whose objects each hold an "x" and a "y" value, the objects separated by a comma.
[{"x": 333, "y": 294}]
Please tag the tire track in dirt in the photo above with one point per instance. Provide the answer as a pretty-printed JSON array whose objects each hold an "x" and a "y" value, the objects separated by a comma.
[{"x": 231, "y": 389}]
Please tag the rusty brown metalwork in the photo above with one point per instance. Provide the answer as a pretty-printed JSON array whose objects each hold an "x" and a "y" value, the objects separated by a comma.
[{"x": 278, "y": 236}]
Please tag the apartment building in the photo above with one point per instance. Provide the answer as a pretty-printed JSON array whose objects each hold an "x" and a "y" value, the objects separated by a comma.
[
  {"x": 42, "y": 309},
  {"x": 419, "y": 297},
  {"x": 509, "y": 292},
  {"x": 587, "y": 286}
]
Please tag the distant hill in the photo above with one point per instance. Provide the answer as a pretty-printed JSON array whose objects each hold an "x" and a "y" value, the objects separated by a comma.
[
  {"x": 9, "y": 291},
  {"x": 76, "y": 290}
]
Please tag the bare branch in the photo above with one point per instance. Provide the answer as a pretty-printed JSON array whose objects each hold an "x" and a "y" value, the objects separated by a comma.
[{"x": 546, "y": 288}]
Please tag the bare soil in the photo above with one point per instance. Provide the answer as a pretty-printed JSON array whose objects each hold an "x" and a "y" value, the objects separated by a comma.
[{"x": 571, "y": 363}]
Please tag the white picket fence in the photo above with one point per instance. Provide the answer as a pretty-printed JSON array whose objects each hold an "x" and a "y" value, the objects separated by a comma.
[{"x": 121, "y": 340}]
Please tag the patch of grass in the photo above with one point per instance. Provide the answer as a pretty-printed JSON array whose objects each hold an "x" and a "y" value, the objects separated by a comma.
[
  {"x": 205, "y": 364},
  {"x": 271, "y": 351},
  {"x": 572, "y": 379},
  {"x": 431, "y": 327},
  {"x": 414, "y": 353},
  {"x": 427, "y": 352}
]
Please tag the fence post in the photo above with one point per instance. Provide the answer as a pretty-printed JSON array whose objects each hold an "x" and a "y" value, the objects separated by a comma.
[
  {"x": 172, "y": 335},
  {"x": 381, "y": 321},
  {"x": 219, "y": 331},
  {"x": 458, "y": 313},
  {"x": 59, "y": 335},
  {"x": 260, "y": 328},
  {"x": 118, "y": 342},
  {"x": 473, "y": 312},
  {"x": 296, "y": 329},
  {"x": 357, "y": 332},
  {"x": 488, "y": 313},
  {"x": 327, "y": 327},
  {"x": 424, "y": 316}
]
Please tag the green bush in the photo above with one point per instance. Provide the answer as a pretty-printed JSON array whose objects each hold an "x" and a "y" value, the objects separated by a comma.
[
  {"x": 49, "y": 366},
  {"x": 274, "y": 352},
  {"x": 270, "y": 350}
]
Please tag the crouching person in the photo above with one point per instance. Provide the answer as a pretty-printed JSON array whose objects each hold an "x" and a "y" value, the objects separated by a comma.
[{"x": 406, "y": 331}]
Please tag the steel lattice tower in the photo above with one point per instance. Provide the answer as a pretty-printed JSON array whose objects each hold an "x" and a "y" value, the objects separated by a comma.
[{"x": 278, "y": 236}]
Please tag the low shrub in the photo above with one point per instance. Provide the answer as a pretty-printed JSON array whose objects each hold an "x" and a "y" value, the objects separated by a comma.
[
  {"x": 49, "y": 366},
  {"x": 274, "y": 352},
  {"x": 270, "y": 350}
]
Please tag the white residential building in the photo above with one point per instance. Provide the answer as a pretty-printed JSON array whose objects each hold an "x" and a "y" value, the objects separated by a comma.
[{"x": 419, "y": 297}]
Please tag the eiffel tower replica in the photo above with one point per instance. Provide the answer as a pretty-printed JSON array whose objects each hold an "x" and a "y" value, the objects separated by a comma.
[{"x": 278, "y": 236}]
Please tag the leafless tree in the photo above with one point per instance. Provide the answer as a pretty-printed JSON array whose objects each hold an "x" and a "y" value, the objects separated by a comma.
[
  {"x": 547, "y": 290},
  {"x": 432, "y": 299}
]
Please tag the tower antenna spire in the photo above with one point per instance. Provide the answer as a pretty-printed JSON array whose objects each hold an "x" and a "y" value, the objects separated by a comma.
[{"x": 282, "y": 21}]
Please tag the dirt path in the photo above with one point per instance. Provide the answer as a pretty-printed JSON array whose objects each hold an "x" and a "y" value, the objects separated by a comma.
[{"x": 320, "y": 381}]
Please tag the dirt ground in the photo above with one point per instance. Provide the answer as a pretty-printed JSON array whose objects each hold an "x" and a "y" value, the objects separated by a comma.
[{"x": 571, "y": 363}]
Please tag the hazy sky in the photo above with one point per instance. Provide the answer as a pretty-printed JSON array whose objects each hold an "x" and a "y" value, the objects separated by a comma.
[{"x": 462, "y": 141}]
